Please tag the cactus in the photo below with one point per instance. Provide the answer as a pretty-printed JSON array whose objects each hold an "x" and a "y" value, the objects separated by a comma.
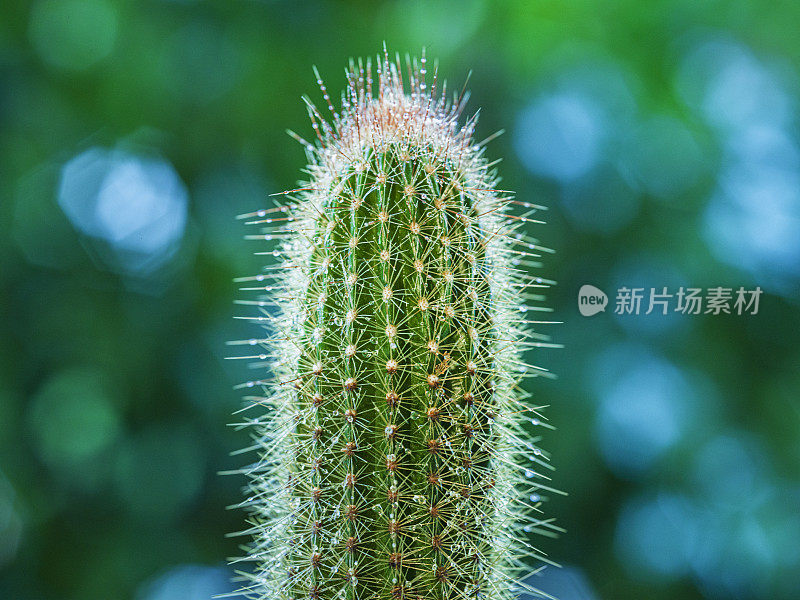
[{"x": 393, "y": 456}]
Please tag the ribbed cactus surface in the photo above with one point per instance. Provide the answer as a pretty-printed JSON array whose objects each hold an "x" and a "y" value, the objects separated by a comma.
[{"x": 394, "y": 459}]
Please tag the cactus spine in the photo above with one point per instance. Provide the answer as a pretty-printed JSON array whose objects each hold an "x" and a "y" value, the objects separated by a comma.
[{"x": 392, "y": 459}]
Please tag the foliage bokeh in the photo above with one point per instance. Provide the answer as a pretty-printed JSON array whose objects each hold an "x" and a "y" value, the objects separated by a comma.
[{"x": 663, "y": 137}]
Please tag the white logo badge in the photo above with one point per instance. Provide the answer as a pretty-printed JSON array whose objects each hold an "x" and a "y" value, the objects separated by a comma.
[{"x": 591, "y": 300}]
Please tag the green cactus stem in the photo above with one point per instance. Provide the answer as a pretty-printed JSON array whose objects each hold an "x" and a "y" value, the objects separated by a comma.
[{"x": 394, "y": 459}]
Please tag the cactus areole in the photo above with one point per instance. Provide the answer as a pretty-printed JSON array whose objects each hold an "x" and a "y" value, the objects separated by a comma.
[{"x": 394, "y": 453}]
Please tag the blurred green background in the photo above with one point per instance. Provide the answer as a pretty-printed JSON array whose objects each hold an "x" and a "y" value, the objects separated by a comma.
[{"x": 662, "y": 135}]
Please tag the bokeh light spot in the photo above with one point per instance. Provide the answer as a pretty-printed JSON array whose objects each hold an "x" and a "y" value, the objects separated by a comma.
[
  {"x": 10, "y": 522},
  {"x": 601, "y": 202},
  {"x": 200, "y": 62},
  {"x": 187, "y": 582},
  {"x": 159, "y": 471},
  {"x": 565, "y": 583},
  {"x": 724, "y": 82},
  {"x": 730, "y": 471},
  {"x": 73, "y": 34},
  {"x": 753, "y": 222},
  {"x": 641, "y": 415},
  {"x": 73, "y": 417},
  {"x": 450, "y": 22},
  {"x": 560, "y": 136},
  {"x": 137, "y": 205},
  {"x": 658, "y": 536},
  {"x": 665, "y": 157}
]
